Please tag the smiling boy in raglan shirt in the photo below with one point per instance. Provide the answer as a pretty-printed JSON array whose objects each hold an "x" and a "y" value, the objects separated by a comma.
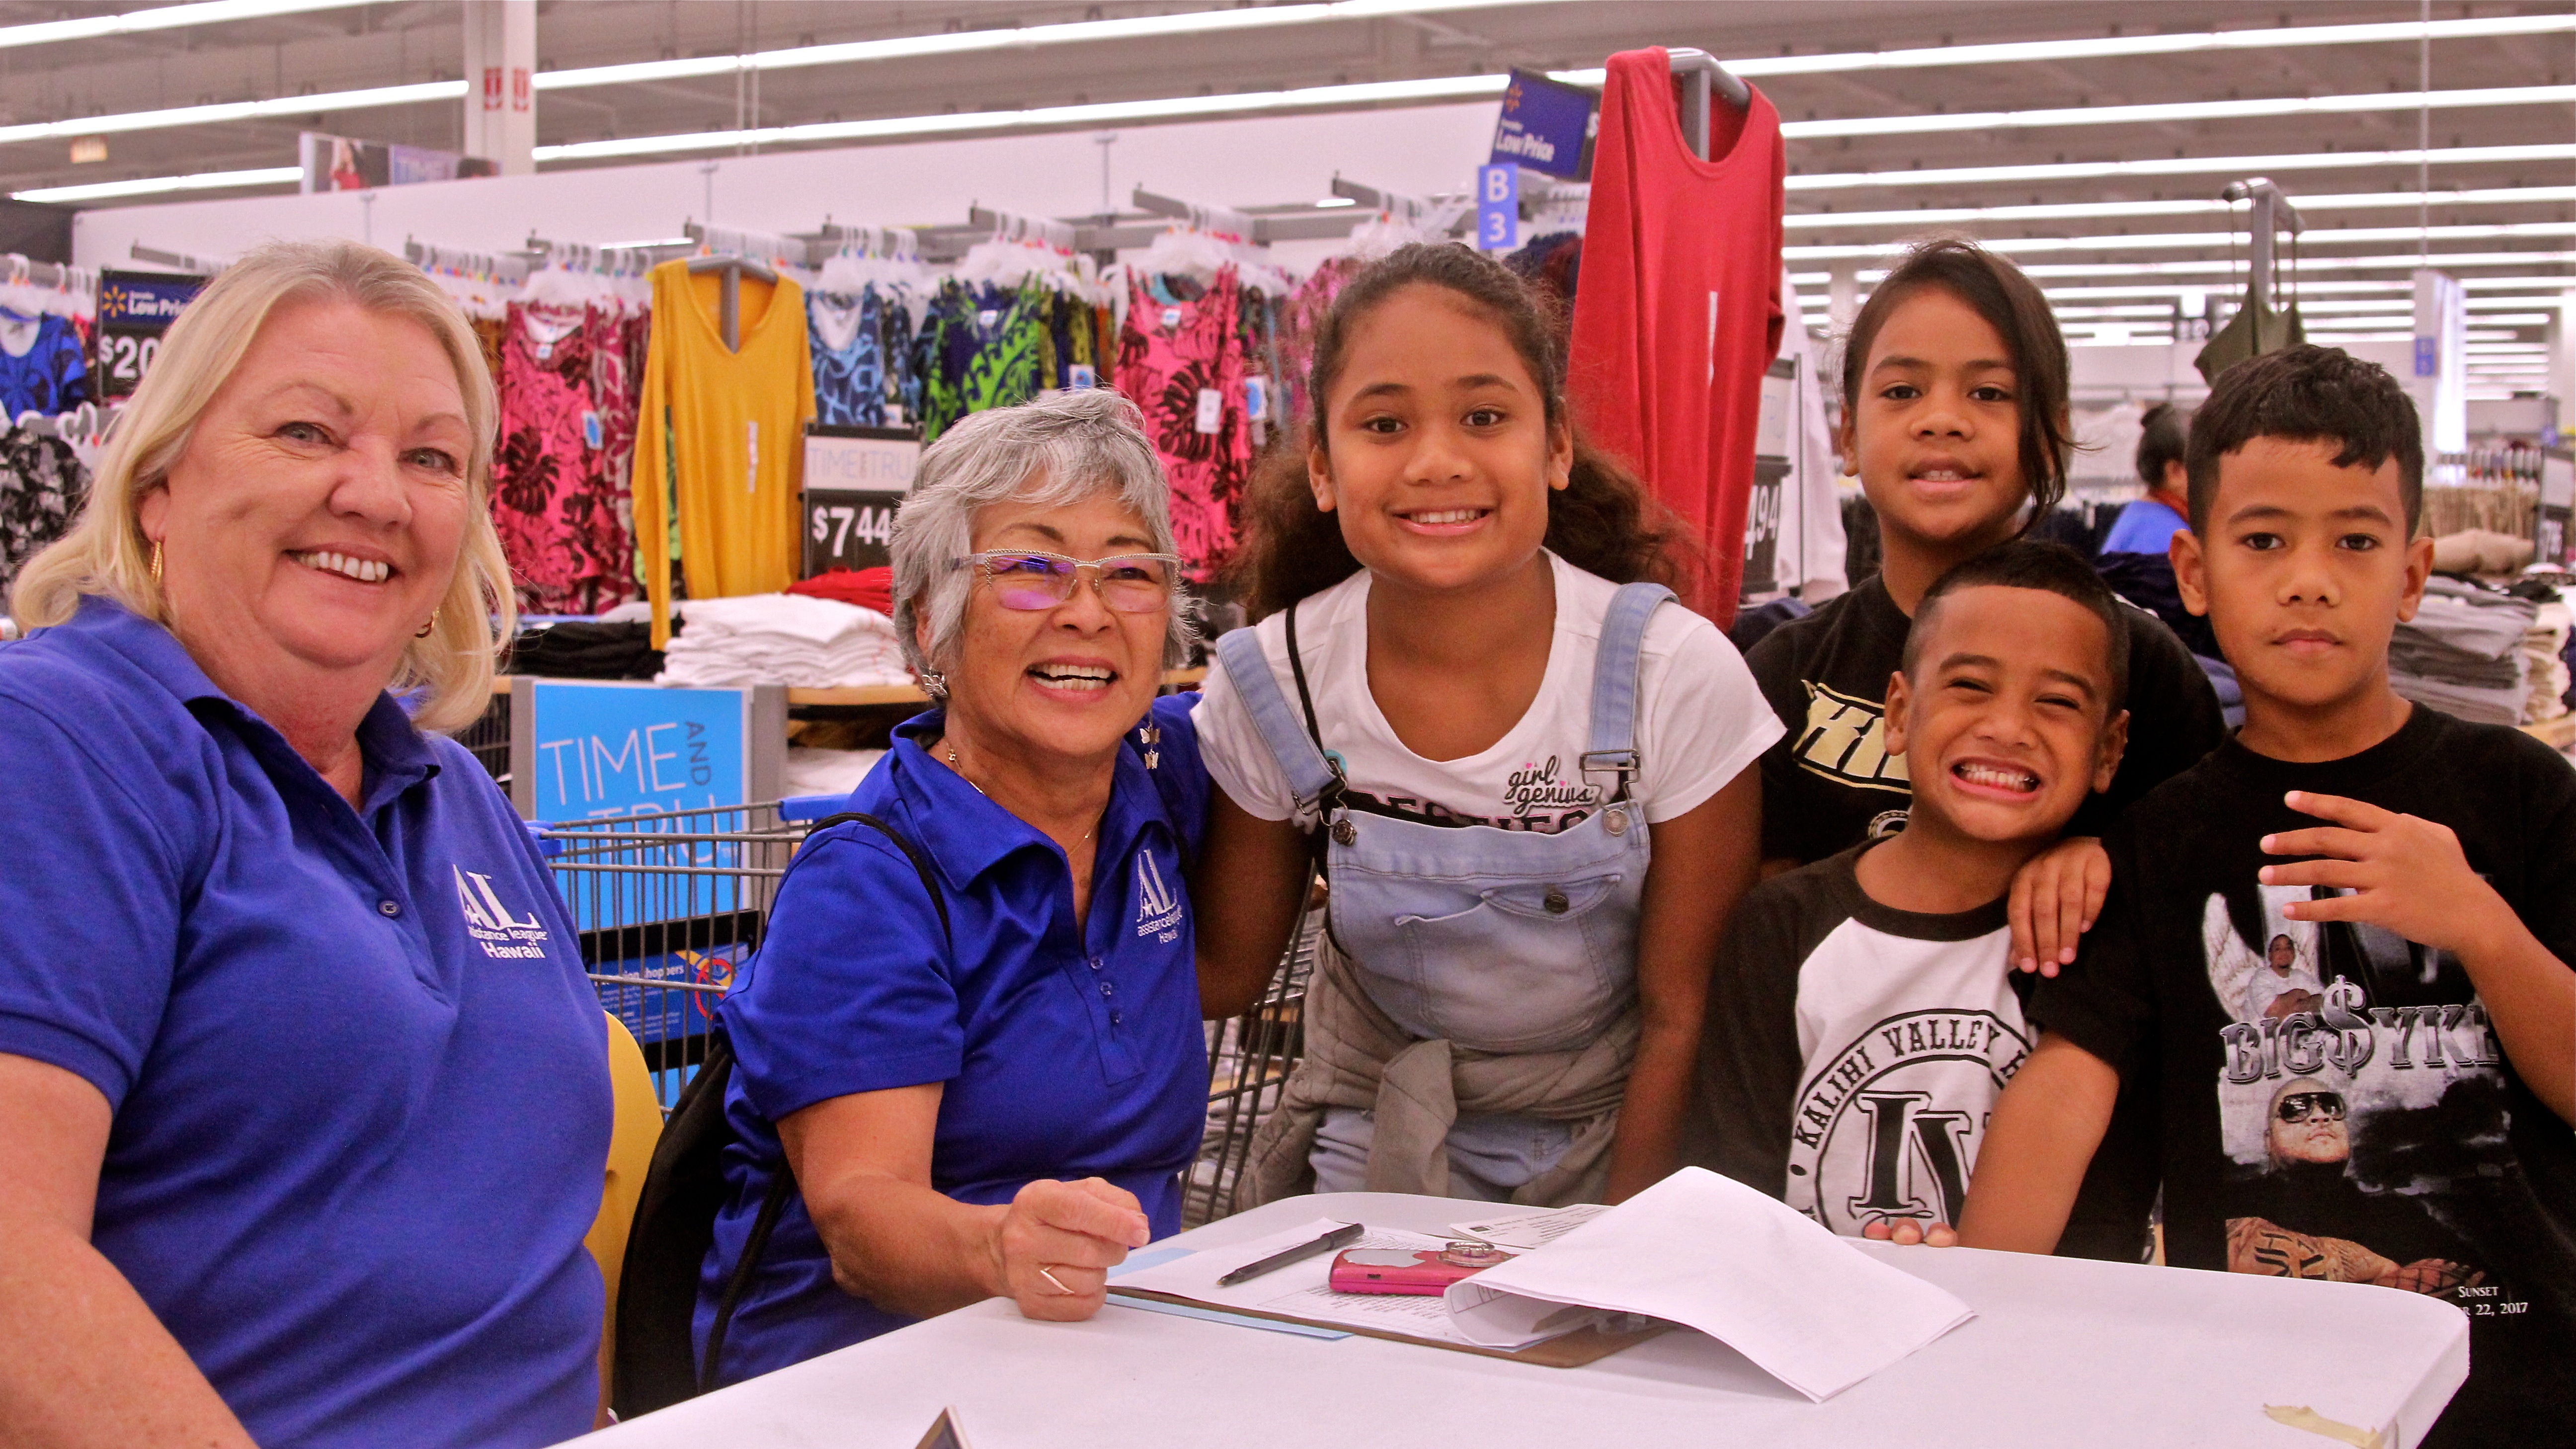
[
  {"x": 1866, "y": 1014},
  {"x": 2407, "y": 1124}
]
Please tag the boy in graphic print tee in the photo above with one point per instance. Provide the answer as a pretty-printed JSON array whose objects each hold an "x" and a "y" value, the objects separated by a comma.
[
  {"x": 2343, "y": 937},
  {"x": 1865, "y": 1016}
]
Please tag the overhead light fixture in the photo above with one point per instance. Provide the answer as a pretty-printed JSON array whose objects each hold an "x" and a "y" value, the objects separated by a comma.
[
  {"x": 1333, "y": 201},
  {"x": 278, "y": 106},
  {"x": 2161, "y": 112},
  {"x": 2211, "y": 206},
  {"x": 2119, "y": 46},
  {"x": 1010, "y": 38},
  {"x": 1436, "y": 88},
  {"x": 2233, "y": 272},
  {"x": 2183, "y": 166},
  {"x": 166, "y": 17},
  {"x": 2193, "y": 240},
  {"x": 154, "y": 185}
]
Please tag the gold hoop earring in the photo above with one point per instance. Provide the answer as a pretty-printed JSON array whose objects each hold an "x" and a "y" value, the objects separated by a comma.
[
  {"x": 156, "y": 561},
  {"x": 429, "y": 628}
]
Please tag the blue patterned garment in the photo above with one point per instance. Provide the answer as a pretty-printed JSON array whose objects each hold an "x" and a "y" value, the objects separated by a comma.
[
  {"x": 849, "y": 366},
  {"x": 47, "y": 375}
]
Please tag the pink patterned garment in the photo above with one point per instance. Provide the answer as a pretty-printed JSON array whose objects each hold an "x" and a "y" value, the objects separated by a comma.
[
  {"x": 559, "y": 476},
  {"x": 1300, "y": 317},
  {"x": 1181, "y": 363}
]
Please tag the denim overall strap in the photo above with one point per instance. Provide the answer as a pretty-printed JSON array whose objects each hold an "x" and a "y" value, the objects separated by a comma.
[
  {"x": 1310, "y": 778},
  {"x": 1615, "y": 683}
]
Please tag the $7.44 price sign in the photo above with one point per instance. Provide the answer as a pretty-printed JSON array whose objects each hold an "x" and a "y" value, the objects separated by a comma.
[{"x": 847, "y": 528}]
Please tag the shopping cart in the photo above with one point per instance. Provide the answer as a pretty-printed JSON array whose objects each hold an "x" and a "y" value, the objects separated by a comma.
[
  {"x": 667, "y": 907},
  {"x": 1249, "y": 1058}
]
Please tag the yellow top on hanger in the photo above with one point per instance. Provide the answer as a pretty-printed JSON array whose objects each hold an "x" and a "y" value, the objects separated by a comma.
[{"x": 721, "y": 437}]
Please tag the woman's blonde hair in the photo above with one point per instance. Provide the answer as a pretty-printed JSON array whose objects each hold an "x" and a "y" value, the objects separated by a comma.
[{"x": 106, "y": 553}]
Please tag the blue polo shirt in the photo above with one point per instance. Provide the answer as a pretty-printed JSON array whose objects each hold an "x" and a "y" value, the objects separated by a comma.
[
  {"x": 360, "y": 1084},
  {"x": 1066, "y": 1053},
  {"x": 2144, "y": 526}
]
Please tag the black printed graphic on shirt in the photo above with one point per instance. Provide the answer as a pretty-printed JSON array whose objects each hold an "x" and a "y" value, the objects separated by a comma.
[
  {"x": 1542, "y": 797},
  {"x": 2359, "y": 1085}
]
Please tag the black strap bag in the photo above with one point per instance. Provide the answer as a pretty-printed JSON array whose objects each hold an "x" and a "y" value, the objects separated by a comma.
[{"x": 656, "y": 1364}]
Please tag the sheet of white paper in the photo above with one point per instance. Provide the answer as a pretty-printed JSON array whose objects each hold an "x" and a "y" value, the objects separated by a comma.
[
  {"x": 1525, "y": 1231},
  {"x": 1303, "y": 1289},
  {"x": 1710, "y": 1253}
]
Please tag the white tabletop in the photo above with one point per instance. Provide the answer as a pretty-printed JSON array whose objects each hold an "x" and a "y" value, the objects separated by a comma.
[{"x": 2062, "y": 1351}]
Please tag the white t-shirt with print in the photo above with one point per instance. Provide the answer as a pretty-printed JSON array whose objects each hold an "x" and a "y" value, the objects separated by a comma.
[{"x": 1700, "y": 721}]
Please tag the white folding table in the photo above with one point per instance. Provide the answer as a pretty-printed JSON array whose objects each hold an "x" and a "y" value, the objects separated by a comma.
[{"x": 2062, "y": 1351}]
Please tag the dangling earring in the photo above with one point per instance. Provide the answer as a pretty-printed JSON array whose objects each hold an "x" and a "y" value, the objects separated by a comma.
[
  {"x": 934, "y": 684},
  {"x": 429, "y": 628},
  {"x": 156, "y": 561}
]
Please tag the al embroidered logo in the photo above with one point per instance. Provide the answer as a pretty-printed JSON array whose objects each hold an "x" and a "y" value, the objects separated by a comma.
[
  {"x": 1158, "y": 910},
  {"x": 502, "y": 936},
  {"x": 1889, "y": 1128}
]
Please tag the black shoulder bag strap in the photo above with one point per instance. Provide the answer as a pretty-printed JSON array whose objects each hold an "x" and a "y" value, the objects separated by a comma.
[
  {"x": 775, "y": 1201},
  {"x": 1331, "y": 799}
]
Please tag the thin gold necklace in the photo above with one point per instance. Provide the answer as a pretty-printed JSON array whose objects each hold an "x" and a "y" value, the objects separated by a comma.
[{"x": 962, "y": 775}]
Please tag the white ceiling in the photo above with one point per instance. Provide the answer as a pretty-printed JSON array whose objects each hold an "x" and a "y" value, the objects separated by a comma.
[{"x": 359, "y": 46}]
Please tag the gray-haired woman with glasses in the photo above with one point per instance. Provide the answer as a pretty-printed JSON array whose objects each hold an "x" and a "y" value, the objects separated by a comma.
[{"x": 972, "y": 1035}]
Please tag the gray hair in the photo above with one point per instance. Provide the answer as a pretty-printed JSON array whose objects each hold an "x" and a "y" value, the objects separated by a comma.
[{"x": 1056, "y": 450}]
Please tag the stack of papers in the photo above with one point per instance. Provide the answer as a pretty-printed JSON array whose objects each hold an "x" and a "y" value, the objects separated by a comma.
[
  {"x": 784, "y": 639},
  {"x": 1696, "y": 1250}
]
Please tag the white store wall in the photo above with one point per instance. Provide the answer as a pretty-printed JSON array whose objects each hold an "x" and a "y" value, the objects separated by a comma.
[{"x": 1260, "y": 161}]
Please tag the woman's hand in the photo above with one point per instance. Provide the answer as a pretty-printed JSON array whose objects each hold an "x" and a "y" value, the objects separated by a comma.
[{"x": 1052, "y": 1251}]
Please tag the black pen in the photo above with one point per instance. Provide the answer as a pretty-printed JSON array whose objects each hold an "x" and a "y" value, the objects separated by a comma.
[{"x": 1337, "y": 1238}]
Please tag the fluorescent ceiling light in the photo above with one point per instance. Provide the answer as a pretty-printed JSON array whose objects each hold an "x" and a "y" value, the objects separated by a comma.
[
  {"x": 452, "y": 90},
  {"x": 2112, "y": 47},
  {"x": 2212, "y": 206},
  {"x": 2160, "y": 112},
  {"x": 166, "y": 17},
  {"x": 2183, "y": 166},
  {"x": 2195, "y": 240},
  {"x": 1019, "y": 38},
  {"x": 153, "y": 185},
  {"x": 2231, "y": 273},
  {"x": 1437, "y": 88}
]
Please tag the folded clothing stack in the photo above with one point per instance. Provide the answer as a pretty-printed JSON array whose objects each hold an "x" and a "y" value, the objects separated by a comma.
[
  {"x": 574, "y": 649},
  {"x": 2463, "y": 653},
  {"x": 782, "y": 639},
  {"x": 2544, "y": 652},
  {"x": 867, "y": 588}
]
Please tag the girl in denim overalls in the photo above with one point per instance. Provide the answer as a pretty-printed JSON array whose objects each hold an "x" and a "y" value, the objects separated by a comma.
[{"x": 1522, "y": 765}]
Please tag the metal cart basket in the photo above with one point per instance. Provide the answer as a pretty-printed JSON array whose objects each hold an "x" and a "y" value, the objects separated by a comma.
[
  {"x": 668, "y": 906},
  {"x": 1249, "y": 1058}
]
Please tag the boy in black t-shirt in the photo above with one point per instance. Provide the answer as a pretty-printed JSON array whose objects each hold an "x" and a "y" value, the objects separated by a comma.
[
  {"x": 2343, "y": 937},
  {"x": 1868, "y": 1014}
]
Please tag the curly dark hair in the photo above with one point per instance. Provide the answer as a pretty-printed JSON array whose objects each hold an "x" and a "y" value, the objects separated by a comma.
[{"x": 1603, "y": 521}]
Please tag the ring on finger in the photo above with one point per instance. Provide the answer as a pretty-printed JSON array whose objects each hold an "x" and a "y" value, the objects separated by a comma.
[{"x": 1049, "y": 1275}]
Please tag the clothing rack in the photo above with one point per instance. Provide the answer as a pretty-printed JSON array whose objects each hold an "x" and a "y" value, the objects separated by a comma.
[
  {"x": 1700, "y": 77},
  {"x": 731, "y": 267},
  {"x": 176, "y": 261},
  {"x": 511, "y": 268},
  {"x": 900, "y": 242},
  {"x": 751, "y": 245},
  {"x": 2273, "y": 214}
]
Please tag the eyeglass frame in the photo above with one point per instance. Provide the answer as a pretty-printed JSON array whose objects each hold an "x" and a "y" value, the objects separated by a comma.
[{"x": 980, "y": 562}]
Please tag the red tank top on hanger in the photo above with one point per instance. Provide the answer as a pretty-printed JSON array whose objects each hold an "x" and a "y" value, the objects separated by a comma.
[{"x": 1677, "y": 309}]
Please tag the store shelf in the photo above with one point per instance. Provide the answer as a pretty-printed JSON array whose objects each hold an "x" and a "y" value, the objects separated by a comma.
[{"x": 2558, "y": 734}]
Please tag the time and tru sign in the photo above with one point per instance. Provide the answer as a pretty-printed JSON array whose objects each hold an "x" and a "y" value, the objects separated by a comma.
[{"x": 855, "y": 478}]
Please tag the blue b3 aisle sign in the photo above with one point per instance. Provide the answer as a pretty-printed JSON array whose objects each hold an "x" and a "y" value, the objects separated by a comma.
[{"x": 1498, "y": 207}]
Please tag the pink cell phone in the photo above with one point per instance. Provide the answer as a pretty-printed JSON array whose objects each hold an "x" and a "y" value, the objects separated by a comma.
[{"x": 1421, "y": 1272}]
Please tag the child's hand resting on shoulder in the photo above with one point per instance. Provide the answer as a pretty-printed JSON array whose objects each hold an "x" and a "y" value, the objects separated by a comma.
[{"x": 2055, "y": 897}]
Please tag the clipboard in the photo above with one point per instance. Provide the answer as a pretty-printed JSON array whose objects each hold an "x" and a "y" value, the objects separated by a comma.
[{"x": 1571, "y": 1350}]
